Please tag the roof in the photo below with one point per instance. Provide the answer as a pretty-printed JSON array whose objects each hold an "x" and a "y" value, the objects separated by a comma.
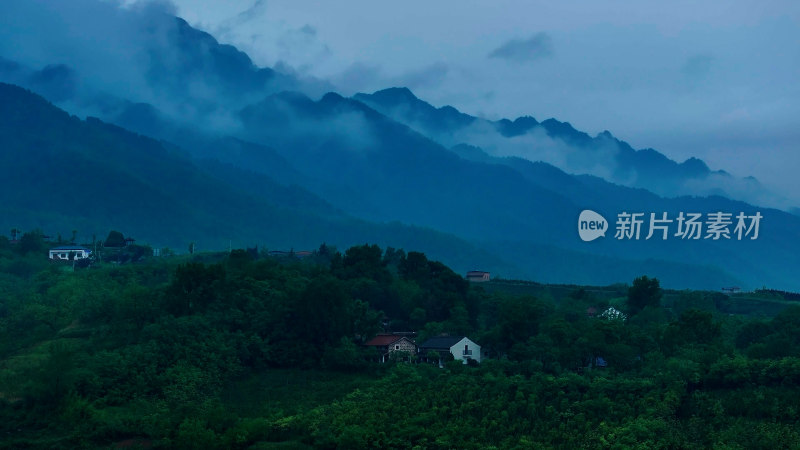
[
  {"x": 383, "y": 339},
  {"x": 69, "y": 247},
  {"x": 477, "y": 272},
  {"x": 442, "y": 342}
]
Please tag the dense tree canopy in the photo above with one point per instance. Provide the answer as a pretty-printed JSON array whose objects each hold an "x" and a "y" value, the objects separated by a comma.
[
  {"x": 241, "y": 350},
  {"x": 643, "y": 293},
  {"x": 115, "y": 239}
]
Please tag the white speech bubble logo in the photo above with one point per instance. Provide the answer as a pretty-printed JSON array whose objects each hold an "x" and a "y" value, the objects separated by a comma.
[{"x": 591, "y": 225}]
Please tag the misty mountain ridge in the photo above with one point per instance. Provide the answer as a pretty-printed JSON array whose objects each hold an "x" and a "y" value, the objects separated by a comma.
[
  {"x": 167, "y": 187},
  {"x": 560, "y": 144},
  {"x": 196, "y": 82},
  {"x": 559, "y": 204},
  {"x": 348, "y": 170},
  {"x": 65, "y": 173},
  {"x": 137, "y": 55},
  {"x": 365, "y": 171},
  {"x": 134, "y": 179}
]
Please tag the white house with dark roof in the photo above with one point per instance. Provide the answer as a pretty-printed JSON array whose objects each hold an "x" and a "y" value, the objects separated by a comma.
[
  {"x": 69, "y": 253},
  {"x": 461, "y": 347}
]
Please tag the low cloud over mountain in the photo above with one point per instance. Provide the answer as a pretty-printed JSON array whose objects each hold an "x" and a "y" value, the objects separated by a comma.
[
  {"x": 538, "y": 46},
  {"x": 508, "y": 189}
]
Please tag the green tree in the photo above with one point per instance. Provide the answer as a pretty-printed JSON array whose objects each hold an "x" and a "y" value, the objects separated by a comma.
[
  {"x": 194, "y": 286},
  {"x": 698, "y": 326},
  {"x": 32, "y": 242},
  {"x": 643, "y": 293},
  {"x": 321, "y": 311},
  {"x": 518, "y": 320},
  {"x": 115, "y": 239},
  {"x": 364, "y": 261}
]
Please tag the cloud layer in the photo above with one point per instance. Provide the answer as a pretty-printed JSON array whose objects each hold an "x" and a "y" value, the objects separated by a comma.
[
  {"x": 687, "y": 80},
  {"x": 538, "y": 46},
  {"x": 674, "y": 76}
]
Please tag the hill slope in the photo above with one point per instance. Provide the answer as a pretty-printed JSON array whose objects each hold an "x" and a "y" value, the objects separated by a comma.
[
  {"x": 384, "y": 170},
  {"x": 61, "y": 173},
  {"x": 309, "y": 167}
]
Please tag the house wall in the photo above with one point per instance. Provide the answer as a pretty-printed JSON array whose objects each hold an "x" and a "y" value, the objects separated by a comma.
[
  {"x": 65, "y": 254},
  {"x": 478, "y": 277},
  {"x": 405, "y": 346},
  {"x": 458, "y": 350},
  {"x": 407, "y": 349}
]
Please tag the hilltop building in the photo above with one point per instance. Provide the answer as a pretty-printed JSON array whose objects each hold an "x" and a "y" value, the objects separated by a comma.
[
  {"x": 477, "y": 276},
  {"x": 69, "y": 253}
]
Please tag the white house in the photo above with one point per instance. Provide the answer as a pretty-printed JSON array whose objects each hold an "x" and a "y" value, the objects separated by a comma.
[
  {"x": 462, "y": 348},
  {"x": 69, "y": 253}
]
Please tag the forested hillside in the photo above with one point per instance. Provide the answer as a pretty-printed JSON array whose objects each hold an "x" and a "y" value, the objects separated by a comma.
[
  {"x": 244, "y": 350},
  {"x": 63, "y": 173}
]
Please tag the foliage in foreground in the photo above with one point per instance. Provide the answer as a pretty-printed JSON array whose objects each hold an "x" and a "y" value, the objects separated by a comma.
[{"x": 244, "y": 352}]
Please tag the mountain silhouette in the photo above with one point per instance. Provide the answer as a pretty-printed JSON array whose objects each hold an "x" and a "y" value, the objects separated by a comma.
[{"x": 229, "y": 150}]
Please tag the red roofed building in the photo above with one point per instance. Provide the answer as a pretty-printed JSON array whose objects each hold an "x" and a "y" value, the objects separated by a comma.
[{"x": 392, "y": 345}]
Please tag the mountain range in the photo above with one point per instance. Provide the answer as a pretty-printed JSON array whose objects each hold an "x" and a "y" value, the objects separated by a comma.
[{"x": 259, "y": 158}]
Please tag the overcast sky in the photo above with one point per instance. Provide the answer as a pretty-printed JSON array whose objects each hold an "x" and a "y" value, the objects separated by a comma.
[{"x": 717, "y": 80}]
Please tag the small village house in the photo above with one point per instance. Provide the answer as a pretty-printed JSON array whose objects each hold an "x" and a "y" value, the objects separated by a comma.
[
  {"x": 612, "y": 313},
  {"x": 461, "y": 347},
  {"x": 290, "y": 253},
  {"x": 477, "y": 276},
  {"x": 390, "y": 346},
  {"x": 69, "y": 253}
]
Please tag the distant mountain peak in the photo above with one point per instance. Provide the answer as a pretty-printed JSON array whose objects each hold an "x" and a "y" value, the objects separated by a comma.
[
  {"x": 332, "y": 98},
  {"x": 605, "y": 134},
  {"x": 395, "y": 93},
  {"x": 403, "y": 106},
  {"x": 519, "y": 126},
  {"x": 695, "y": 166}
]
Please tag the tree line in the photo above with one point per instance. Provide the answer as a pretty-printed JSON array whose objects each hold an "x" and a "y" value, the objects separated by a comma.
[{"x": 153, "y": 353}]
